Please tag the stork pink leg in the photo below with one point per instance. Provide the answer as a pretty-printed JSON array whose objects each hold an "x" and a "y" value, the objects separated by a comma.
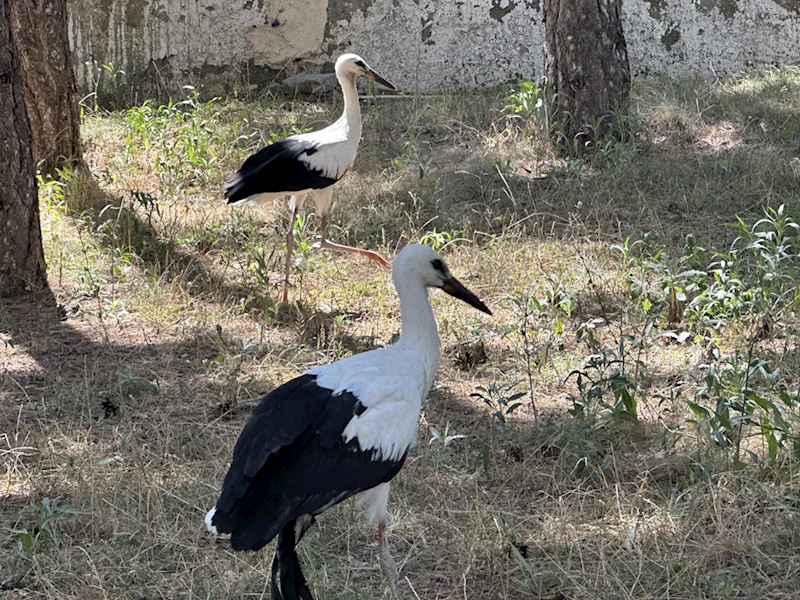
[
  {"x": 289, "y": 244},
  {"x": 373, "y": 256},
  {"x": 386, "y": 562}
]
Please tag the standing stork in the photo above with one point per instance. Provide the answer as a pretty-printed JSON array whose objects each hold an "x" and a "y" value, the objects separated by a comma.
[
  {"x": 337, "y": 430},
  {"x": 309, "y": 162}
]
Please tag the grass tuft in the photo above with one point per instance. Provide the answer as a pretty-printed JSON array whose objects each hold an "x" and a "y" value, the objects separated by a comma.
[{"x": 626, "y": 425}]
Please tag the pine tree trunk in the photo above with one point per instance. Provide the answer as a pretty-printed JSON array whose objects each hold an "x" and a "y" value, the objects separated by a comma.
[
  {"x": 587, "y": 67},
  {"x": 22, "y": 265},
  {"x": 51, "y": 96}
]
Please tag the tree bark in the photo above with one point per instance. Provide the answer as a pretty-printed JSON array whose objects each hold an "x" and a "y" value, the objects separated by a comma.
[
  {"x": 22, "y": 265},
  {"x": 587, "y": 67},
  {"x": 51, "y": 95}
]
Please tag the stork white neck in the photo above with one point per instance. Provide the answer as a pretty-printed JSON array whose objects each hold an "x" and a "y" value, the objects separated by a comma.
[
  {"x": 351, "y": 115},
  {"x": 418, "y": 335}
]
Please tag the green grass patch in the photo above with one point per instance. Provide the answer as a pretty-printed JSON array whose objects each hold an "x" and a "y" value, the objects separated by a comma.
[{"x": 626, "y": 424}]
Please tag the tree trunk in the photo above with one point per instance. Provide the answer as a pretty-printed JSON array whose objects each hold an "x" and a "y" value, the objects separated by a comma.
[
  {"x": 587, "y": 68},
  {"x": 22, "y": 265},
  {"x": 51, "y": 96}
]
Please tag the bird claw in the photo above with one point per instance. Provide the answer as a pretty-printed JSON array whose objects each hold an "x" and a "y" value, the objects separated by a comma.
[
  {"x": 388, "y": 568},
  {"x": 374, "y": 256}
]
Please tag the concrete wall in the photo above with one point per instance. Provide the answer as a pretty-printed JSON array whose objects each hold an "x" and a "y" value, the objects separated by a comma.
[{"x": 228, "y": 45}]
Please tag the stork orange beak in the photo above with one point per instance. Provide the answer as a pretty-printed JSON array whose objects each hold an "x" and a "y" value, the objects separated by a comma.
[
  {"x": 456, "y": 289},
  {"x": 370, "y": 74}
]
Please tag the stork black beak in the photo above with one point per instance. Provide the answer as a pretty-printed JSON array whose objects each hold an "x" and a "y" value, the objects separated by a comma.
[
  {"x": 370, "y": 74},
  {"x": 456, "y": 289}
]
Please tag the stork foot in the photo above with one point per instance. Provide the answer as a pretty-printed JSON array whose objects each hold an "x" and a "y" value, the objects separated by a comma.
[
  {"x": 386, "y": 562},
  {"x": 389, "y": 570},
  {"x": 373, "y": 256}
]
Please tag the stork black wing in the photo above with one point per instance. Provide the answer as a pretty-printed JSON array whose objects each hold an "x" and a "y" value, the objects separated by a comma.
[
  {"x": 276, "y": 168},
  {"x": 291, "y": 460}
]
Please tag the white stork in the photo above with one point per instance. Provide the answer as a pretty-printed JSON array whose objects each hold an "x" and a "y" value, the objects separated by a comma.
[
  {"x": 337, "y": 430},
  {"x": 309, "y": 162}
]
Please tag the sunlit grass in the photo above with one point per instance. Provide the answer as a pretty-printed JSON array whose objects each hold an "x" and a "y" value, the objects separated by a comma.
[{"x": 127, "y": 402}]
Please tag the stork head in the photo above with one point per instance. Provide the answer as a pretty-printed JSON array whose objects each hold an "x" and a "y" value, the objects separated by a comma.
[
  {"x": 422, "y": 263},
  {"x": 352, "y": 65}
]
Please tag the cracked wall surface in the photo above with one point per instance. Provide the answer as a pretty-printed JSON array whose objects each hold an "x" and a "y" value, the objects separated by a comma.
[{"x": 425, "y": 45}]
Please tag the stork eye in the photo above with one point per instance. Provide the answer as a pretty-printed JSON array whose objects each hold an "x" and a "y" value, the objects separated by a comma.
[
  {"x": 438, "y": 265},
  {"x": 360, "y": 63}
]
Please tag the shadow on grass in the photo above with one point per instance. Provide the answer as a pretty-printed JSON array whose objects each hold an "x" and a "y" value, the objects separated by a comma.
[
  {"x": 118, "y": 227},
  {"x": 105, "y": 362},
  {"x": 642, "y": 188},
  {"x": 703, "y": 153}
]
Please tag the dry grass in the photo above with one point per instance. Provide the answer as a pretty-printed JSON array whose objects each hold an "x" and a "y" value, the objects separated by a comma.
[{"x": 124, "y": 394}]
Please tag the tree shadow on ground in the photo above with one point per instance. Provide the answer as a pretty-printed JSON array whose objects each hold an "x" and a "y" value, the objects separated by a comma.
[
  {"x": 48, "y": 351},
  {"x": 664, "y": 189}
]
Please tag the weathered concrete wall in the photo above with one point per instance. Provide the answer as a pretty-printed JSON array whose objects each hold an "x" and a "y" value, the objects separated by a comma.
[
  {"x": 675, "y": 37},
  {"x": 418, "y": 44}
]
